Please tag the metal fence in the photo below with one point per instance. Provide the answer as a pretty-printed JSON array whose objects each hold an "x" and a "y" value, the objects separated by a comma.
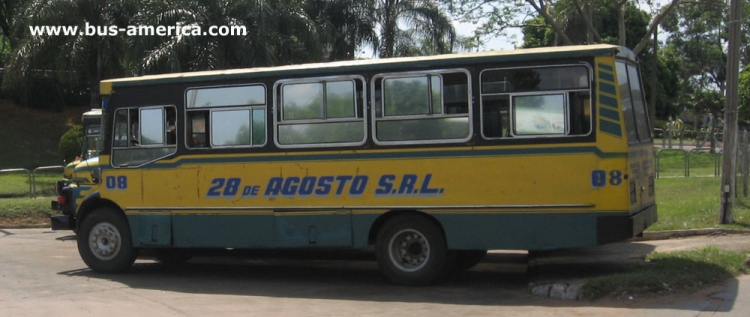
[
  {"x": 20, "y": 182},
  {"x": 688, "y": 160}
]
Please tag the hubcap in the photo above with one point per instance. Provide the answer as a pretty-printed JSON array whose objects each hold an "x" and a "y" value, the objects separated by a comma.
[
  {"x": 409, "y": 250},
  {"x": 105, "y": 241}
]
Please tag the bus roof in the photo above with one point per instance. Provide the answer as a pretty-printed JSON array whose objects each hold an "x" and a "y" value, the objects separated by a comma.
[
  {"x": 93, "y": 113},
  {"x": 374, "y": 64}
]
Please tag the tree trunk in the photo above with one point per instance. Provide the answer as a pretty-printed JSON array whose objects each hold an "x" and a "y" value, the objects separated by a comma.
[
  {"x": 543, "y": 10},
  {"x": 621, "y": 22}
]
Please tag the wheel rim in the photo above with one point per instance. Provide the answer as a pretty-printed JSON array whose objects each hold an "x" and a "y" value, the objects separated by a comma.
[
  {"x": 105, "y": 241},
  {"x": 409, "y": 250}
]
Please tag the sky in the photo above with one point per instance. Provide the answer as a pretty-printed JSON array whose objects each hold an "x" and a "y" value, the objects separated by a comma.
[{"x": 494, "y": 43}]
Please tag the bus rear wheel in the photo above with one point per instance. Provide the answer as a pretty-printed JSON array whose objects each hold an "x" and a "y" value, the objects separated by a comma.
[
  {"x": 104, "y": 241},
  {"x": 411, "y": 250}
]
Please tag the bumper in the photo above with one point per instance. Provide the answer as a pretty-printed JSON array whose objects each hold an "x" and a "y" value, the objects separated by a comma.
[
  {"x": 63, "y": 222},
  {"x": 612, "y": 229},
  {"x": 66, "y": 221}
]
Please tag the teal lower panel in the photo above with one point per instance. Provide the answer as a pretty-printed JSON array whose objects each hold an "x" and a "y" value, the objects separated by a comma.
[
  {"x": 332, "y": 229},
  {"x": 222, "y": 231},
  {"x": 463, "y": 230},
  {"x": 150, "y": 230},
  {"x": 519, "y": 231}
]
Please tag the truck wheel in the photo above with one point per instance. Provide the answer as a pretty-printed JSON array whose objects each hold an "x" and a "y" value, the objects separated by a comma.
[
  {"x": 411, "y": 250},
  {"x": 104, "y": 241}
]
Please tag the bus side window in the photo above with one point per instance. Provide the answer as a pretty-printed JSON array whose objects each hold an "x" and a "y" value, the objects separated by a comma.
[
  {"x": 171, "y": 126},
  {"x": 429, "y": 107},
  {"x": 197, "y": 126},
  {"x": 121, "y": 128},
  {"x": 580, "y": 113},
  {"x": 496, "y": 116}
]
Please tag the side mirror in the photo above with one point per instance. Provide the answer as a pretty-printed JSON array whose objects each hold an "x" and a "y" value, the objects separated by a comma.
[{"x": 96, "y": 175}]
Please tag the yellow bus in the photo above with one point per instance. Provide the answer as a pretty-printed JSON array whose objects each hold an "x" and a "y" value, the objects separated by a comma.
[
  {"x": 91, "y": 121},
  {"x": 431, "y": 161}
]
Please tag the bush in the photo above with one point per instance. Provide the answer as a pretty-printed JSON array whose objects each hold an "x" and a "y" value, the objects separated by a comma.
[{"x": 70, "y": 143}]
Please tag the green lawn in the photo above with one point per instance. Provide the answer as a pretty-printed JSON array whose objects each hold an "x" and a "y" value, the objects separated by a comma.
[
  {"x": 692, "y": 203},
  {"x": 666, "y": 273},
  {"x": 25, "y": 212},
  {"x": 672, "y": 163},
  {"x": 15, "y": 184}
]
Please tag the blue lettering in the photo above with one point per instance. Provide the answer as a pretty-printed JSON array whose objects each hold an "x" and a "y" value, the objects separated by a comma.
[
  {"x": 214, "y": 191},
  {"x": 407, "y": 184},
  {"x": 250, "y": 191},
  {"x": 307, "y": 186},
  {"x": 324, "y": 186},
  {"x": 358, "y": 186},
  {"x": 290, "y": 187},
  {"x": 274, "y": 187},
  {"x": 342, "y": 182},
  {"x": 426, "y": 190},
  {"x": 385, "y": 185}
]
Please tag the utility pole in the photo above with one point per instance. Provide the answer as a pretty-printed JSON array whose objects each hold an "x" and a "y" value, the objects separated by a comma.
[
  {"x": 729, "y": 173},
  {"x": 654, "y": 70}
]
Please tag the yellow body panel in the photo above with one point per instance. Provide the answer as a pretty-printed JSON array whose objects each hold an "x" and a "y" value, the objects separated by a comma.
[{"x": 501, "y": 181}]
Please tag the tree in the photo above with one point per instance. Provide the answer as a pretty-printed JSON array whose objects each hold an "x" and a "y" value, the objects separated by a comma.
[
  {"x": 744, "y": 96},
  {"x": 70, "y": 143},
  {"x": 426, "y": 26},
  {"x": 537, "y": 32},
  {"x": 344, "y": 26},
  {"x": 499, "y": 15},
  {"x": 278, "y": 32},
  {"x": 79, "y": 59},
  {"x": 698, "y": 37},
  {"x": 7, "y": 9}
]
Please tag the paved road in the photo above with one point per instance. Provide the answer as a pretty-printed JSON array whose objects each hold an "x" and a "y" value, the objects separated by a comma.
[{"x": 41, "y": 274}]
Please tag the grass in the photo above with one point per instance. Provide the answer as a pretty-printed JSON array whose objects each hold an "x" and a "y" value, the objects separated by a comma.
[
  {"x": 672, "y": 163},
  {"x": 24, "y": 212},
  {"x": 693, "y": 203},
  {"x": 672, "y": 272},
  {"x": 17, "y": 184}
]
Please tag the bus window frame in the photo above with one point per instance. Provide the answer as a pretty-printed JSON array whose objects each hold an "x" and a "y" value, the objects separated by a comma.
[
  {"x": 113, "y": 148},
  {"x": 566, "y": 111},
  {"x": 250, "y": 109},
  {"x": 511, "y": 117},
  {"x": 382, "y": 77},
  {"x": 210, "y": 110},
  {"x": 630, "y": 65},
  {"x": 637, "y": 139},
  {"x": 360, "y": 111}
]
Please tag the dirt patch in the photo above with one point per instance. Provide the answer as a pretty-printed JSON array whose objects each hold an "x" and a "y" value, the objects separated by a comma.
[{"x": 24, "y": 222}]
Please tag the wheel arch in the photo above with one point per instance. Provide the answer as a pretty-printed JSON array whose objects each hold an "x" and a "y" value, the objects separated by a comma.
[
  {"x": 384, "y": 218},
  {"x": 94, "y": 202}
]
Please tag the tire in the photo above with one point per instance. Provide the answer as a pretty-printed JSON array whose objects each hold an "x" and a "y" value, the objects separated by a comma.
[
  {"x": 173, "y": 256},
  {"x": 411, "y": 250},
  {"x": 464, "y": 260},
  {"x": 104, "y": 241}
]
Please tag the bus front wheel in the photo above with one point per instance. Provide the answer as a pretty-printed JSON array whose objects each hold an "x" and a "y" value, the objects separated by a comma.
[
  {"x": 411, "y": 250},
  {"x": 104, "y": 241}
]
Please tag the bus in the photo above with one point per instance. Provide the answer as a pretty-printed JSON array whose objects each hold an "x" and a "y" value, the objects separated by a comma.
[
  {"x": 428, "y": 161},
  {"x": 91, "y": 121}
]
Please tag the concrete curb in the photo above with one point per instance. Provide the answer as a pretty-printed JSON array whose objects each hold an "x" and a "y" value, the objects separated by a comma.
[
  {"x": 574, "y": 290},
  {"x": 670, "y": 234}
]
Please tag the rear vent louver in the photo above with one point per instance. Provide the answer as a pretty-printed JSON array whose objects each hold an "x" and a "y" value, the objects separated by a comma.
[
  {"x": 651, "y": 191},
  {"x": 633, "y": 198}
]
